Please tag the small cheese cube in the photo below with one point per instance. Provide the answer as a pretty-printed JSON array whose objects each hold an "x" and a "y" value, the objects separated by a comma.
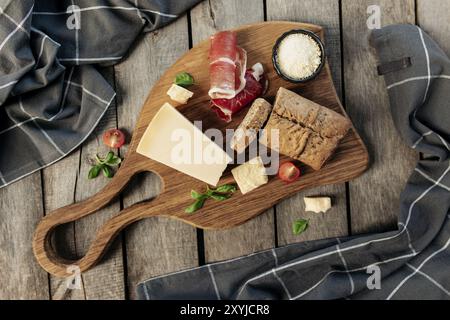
[
  {"x": 317, "y": 204},
  {"x": 250, "y": 175},
  {"x": 179, "y": 94}
]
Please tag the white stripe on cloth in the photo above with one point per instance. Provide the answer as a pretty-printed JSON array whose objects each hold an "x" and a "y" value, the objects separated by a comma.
[
  {"x": 136, "y": 4},
  {"x": 17, "y": 125},
  {"x": 428, "y": 64},
  {"x": 6, "y": 85},
  {"x": 213, "y": 279},
  {"x": 105, "y": 7},
  {"x": 87, "y": 91},
  {"x": 2, "y": 12},
  {"x": 352, "y": 270},
  {"x": 91, "y": 59},
  {"x": 443, "y": 141},
  {"x": 431, "y": 179},
  {"x": 61, "y": 108},
  {"x": 275, "y": 257},
  {"x": 17, "y": 28},
  {"x": 76, "y": 146},
  {"x": 352, "y": 284},
  {"x": 427, "y": 134},
  {"x": 425, "y": 193},
  {"x": 418, "y": 269},
  {"x": 409, "y": 237},
  {"x": 282, "y": 284},
  {"x": 40, "y": 128},
  {"x": 2, "y": 179},
  {"x": 326, "y": 254},
  {"x": 421, "y": 138},
  {"x": 44, "y": 35},
  {"x": 395, "y": 84},
  {"x": 437, "y": 284}
]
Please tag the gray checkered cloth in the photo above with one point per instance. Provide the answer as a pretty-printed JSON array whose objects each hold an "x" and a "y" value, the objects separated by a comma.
[
  {"x": 51, "y": 94},
  {"x": 412, "y": 262}
]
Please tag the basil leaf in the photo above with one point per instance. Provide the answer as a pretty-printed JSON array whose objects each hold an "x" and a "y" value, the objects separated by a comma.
[
  {"x": 196, "y": 195},
  {"x": 209, "y": 191},
  {"x": 110, "y": 156},
  {"x": 114, "y": 161},
  {"x": 94, "y": 171},
  {"x": 300, "y": 226},
  {"x": 195, "y": 206},
  {"x": 220, "y": 197},
  {"x": 226, "y": 188},
  {"x": 184, "y": 79},
  {"x": 107, "y": 172}
]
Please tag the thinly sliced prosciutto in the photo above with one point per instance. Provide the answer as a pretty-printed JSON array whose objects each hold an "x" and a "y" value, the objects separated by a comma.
[
  {"x": 227, "y": 64},
  {"x": 256, "y": 84}
]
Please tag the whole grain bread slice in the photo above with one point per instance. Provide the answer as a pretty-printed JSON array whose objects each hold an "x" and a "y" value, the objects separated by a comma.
[{"x": 307, "y": 131}]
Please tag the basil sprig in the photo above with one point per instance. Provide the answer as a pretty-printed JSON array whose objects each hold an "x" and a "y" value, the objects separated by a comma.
[
  {"x": 104, "y": 165},
  {"x": 221, "y": 193},
  {"x": 300, "y": 226},
  {"x": 184, "y": 79}
]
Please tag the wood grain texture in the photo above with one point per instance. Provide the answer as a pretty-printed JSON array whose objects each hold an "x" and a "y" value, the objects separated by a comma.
[
  {"x": 433, "y": 17},
  {"x": 349, "y": 160},
  {"x": 59, "y": 182},
  {"x": 66, "y": 182},
  {"x": 208, "y": 18},
  {"x": 158, "y": 245},
  {"x": 375, "y": 195},
  {"x": 334, "y": 222},
  {"x": 21, "y": 209}
]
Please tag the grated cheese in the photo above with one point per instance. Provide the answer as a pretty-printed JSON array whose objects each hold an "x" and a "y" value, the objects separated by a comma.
[{"x": 299, "y": 56}]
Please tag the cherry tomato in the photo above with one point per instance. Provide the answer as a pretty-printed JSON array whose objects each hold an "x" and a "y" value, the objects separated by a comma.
[
  {"x": 288, "y": 172},
  {"x": 114, "y": 138}
]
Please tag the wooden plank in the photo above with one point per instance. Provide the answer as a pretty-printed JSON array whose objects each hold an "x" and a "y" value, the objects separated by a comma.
[
  {"x": 66, "y": 182},
  {"x": 259, "y": 233},
  {"x": 374, "y": 197},
  {"x": 21, "y": 209},
  {"x": 334, "y": 222},
  {"x": 59, "y": 181},
  {"x": 158, "y": 245},
  {"x": 432, "y": 16}
]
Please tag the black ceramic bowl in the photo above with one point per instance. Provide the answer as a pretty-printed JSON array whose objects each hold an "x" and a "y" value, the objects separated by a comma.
[{"x": 275, "y": 55}]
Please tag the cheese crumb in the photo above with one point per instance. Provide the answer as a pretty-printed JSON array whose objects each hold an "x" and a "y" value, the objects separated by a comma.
[
  {"x": 299, "y": 56},
  {"x": 317, "y": 204},
  {"x": 179, "y": 94}
]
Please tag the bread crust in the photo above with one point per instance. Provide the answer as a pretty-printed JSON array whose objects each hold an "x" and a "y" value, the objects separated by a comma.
[
  {"x": 307, "y": 131},
  {"x": 248, "y": 129}
]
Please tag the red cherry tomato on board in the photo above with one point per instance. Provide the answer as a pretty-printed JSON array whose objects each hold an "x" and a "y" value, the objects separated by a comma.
[
  {"x": 288, "y": 172},
  {"x": 114, "y": 138}
]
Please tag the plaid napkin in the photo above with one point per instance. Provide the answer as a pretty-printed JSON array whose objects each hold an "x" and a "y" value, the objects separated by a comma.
[
  {"x": 51, "y": 94},
  {"x": 410, "y": 263}
]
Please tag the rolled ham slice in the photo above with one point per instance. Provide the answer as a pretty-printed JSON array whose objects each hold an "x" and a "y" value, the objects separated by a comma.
[
  {"x": 227, "y": 64},
  {"x": 255, "y": 86}
]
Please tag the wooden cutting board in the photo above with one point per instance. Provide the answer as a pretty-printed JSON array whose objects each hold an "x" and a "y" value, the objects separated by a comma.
[{"x": 349, "y": 161}]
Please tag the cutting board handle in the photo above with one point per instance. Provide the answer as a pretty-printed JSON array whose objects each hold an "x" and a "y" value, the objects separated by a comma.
[{"x": 47, "y": 256}]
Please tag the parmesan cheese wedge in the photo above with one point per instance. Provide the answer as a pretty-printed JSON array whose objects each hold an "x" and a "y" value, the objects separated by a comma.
[
  {"x": 317, "y": 204},
  {"x": 173, "y": 140},
  {"x": 250, "y": 175},
  {"x": 179, "y": 94}
]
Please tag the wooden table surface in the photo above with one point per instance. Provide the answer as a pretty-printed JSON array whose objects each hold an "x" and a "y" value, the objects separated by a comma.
[{"x": 157, "y": 246}]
